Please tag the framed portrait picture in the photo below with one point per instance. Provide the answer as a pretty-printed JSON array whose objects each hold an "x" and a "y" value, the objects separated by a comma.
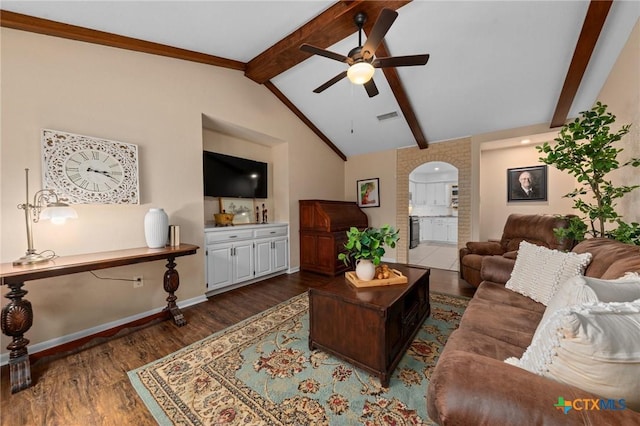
[
  {"x": 368, "y": 191},
  {"x": 242, "y": 208},
  {"x": 527, "y": 184}
]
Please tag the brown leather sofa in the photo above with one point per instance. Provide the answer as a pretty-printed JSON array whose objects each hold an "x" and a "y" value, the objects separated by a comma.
[
  {"x": 471, "y": 385},
  {"x": 535, "y": 229}
]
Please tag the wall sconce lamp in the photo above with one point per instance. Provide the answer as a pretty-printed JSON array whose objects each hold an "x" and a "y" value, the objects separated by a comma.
[{"x": 46, "y": 205}]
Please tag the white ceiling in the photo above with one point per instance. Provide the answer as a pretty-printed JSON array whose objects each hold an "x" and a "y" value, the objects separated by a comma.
[{"x": 494, "y": 65}]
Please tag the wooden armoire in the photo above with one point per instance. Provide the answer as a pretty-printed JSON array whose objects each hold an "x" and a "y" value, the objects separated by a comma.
[{"x": 323, "y": 232}]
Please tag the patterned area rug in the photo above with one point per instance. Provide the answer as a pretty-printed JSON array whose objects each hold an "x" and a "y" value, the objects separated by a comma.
[{"x": 261, "y": 372}]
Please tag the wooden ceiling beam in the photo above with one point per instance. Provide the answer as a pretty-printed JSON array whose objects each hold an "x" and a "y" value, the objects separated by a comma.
[
  {"x": 328, "y": 28},
  {"x": 331, "y": 26},
  {"x": 405, "y": 105},
  {"x": 591, "y": 28},
  {"x": 400, "y": 94},
  {"x": 22, "y": 22}
]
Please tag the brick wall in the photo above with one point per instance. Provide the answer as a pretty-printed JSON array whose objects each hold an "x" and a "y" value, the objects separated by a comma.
[{"x": 456, "y": 153}]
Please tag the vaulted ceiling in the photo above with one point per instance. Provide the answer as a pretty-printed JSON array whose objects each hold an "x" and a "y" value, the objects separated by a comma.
[{"x": 493, "y": 65}]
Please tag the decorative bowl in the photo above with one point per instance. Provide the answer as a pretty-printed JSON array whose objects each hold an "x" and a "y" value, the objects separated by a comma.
[{"x": 223, "y": 219}]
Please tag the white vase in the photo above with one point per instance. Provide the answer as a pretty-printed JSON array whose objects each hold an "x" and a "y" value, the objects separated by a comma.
[
  {"x": 365, "y": 269},
  {"x": 156, "y": 228}
]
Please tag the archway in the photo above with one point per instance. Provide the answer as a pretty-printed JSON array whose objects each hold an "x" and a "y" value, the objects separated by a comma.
[
  {"x": 433, "y": 209},
  {"x": 456, "y": 153}
]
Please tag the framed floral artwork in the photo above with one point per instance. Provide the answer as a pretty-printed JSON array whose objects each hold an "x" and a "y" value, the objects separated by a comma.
[{"x": 368, "y": 192}]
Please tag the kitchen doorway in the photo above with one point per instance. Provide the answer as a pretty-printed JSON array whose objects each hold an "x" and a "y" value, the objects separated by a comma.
[
  {"x": 435, "y": 255},
  {"x": 433, "y": 211}
]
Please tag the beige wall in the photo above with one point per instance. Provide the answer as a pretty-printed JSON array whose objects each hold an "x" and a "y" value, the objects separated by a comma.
[
  {"x": 157, "y": 103},
  {"x": 621, "y": 93},
  {"x": 380, "y": 165},
  {"x": 494, "y": 208}
]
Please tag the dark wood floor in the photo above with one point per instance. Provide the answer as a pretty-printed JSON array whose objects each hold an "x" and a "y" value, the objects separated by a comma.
[{"x": 91, "y": 387}]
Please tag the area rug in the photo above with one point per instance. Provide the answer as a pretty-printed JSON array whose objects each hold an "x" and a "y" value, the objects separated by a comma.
[{"x": 261, "y": 372}]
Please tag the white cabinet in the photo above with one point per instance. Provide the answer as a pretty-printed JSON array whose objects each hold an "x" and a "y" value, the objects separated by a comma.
[
  {"x": 443, "y": 229},
  {"x": 229, "y": 263},
  {"x": 439, "y": 230},
  {"x": 412, "y": 193},
  {"x": 245, "y": 253},
  {"x": 271, "y": 251},
  {"x": 280, "y": 254},
  {"x": 426, "y": 229},
  {"x": 443, "y": 195},
  {"x": 452, "y": 230},
  {"x": 421, "y": 194},
  {"x": 430, "y": 194},
  {"x": 263, "y": 257},
  {"x": 219, "y": 268},
  {"x": 437, "y": 194}
]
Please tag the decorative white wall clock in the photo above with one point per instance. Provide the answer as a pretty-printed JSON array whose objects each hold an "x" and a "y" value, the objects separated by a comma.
[{"x": 88, "y": 170}]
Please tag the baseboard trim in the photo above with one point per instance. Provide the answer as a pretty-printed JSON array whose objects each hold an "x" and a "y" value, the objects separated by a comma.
[{"x": 80, "y": 338}]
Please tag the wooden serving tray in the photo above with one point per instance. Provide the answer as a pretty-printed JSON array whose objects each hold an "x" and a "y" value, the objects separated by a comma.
[{"x": 395, "y": 278}]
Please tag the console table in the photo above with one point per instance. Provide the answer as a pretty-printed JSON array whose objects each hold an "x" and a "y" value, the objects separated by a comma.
[
  {"x": 369, "y": 327},
  {"x": 17, "y": 315}
]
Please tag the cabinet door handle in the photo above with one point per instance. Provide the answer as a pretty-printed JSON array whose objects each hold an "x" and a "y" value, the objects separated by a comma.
[
  {"x": 272, "y": 232},
  {"x": 233, "y": 236}
]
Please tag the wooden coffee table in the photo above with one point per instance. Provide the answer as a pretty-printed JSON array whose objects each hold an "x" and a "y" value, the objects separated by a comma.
[{"x": 372, "y": 327}]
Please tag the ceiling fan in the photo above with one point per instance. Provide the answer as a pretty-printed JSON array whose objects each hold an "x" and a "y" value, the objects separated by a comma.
[{"x": 361, "y": 60}]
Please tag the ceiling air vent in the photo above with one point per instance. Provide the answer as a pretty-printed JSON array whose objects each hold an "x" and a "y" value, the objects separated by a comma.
[{"x": 388, "y": 116}]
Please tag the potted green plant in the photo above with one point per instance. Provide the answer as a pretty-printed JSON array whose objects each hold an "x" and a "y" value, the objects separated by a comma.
[
  {"x": 366, "y": 247},
  {"x": 585, "y": 149}
]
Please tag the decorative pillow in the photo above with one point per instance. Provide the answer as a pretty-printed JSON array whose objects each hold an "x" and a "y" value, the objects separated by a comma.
[
  {"x": 580, "y": 289},
  {"x": 539, "y": 271},
  {"x": 595, "y": 347}
]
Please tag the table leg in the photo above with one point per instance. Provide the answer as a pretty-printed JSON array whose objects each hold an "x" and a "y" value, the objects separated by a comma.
[
  {"x": 16, "y": 319},
  {"x": 385, "y": 378},
  {"x": 171, "y": 284}
]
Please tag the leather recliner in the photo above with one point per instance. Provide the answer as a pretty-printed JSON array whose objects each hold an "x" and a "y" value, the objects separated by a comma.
[{"x": 535, "y": 229}]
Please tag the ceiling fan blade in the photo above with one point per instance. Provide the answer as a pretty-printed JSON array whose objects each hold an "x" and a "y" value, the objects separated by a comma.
[
  {"x": 380, "y": 28},
  {"x": 400, "y": 61},
  {"x": 331, "y": 82},
  {"x": 371, "y": 88},
  {"x": 326, "y": 53}
]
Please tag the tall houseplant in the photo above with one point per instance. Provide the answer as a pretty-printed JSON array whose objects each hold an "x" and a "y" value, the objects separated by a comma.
[
  {"x": 585, "y": 149},
  {"x": 367, "y": 247}
]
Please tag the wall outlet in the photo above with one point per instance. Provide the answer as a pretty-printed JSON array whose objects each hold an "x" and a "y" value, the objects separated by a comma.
[{"x": 138, "y": 281}]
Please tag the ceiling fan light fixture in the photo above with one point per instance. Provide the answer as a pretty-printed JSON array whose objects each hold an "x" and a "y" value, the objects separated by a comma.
[{"x": 360, "y": 73}]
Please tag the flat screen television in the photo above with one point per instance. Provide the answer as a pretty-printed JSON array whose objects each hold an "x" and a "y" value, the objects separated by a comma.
[{"x": 227, "y": 176}]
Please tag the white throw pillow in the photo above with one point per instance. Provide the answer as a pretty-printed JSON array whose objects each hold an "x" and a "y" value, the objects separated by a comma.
[
  {"x": 595, "y": 347},
  {"x": 581, "y": 289},
  {"x": 539, "y": 271}
]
